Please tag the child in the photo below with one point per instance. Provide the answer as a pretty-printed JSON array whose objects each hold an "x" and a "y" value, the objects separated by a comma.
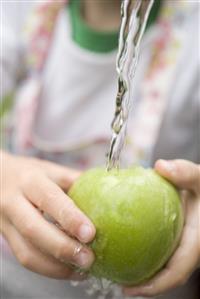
[{"x": 64, "y": 104}]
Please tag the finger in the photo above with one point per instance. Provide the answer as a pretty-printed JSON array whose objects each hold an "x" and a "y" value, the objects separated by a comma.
[
  {"x": 34, "y": 260},
  {"x": 46, "y": 236},
  {"x": 48, "y": 197},
  {"x": 178, "y": 269},
  {"x": 184, "y": 174},
  {"x": 62, "y": 176}
]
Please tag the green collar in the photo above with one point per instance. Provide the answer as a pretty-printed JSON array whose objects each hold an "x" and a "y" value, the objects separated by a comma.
[
  {"x": 88, "y": 38},
  {"x": 97, "y": 41}
]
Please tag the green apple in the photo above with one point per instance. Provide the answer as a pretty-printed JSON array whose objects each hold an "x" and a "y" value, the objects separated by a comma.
[{"x": 138, "y": 217}]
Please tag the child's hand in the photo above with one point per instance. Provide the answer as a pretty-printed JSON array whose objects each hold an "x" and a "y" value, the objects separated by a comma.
[
  {"x": 186, "y": 176},
  {"x": 31, "y": 187}
]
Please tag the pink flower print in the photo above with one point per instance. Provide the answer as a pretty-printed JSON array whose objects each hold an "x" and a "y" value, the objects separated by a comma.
[
  {"x": 155, "y": 95},
  {"x": 26, "y": 109}
]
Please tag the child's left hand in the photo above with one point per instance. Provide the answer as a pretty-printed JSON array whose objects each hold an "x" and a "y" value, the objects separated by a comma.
[{"x": 186, "y": 176}]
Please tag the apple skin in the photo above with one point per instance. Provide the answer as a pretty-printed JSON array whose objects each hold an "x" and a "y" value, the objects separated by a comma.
[{"x": 138, "y": 217}]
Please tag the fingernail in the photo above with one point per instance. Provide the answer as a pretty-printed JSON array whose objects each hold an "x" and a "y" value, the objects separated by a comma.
[
  {"x": 84, "y": 258},
  {"x": 85, "y": 233},
  {"x": 168, "y": 165}
]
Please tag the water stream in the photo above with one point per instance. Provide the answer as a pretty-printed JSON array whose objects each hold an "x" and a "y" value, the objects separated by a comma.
[{"x": 134, "y": 16}]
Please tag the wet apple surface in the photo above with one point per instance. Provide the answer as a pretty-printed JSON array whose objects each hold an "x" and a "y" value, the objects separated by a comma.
[{"x": 139, "y": 219}]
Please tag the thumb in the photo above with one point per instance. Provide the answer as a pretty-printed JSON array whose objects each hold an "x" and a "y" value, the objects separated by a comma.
[{"x": 182, "y": 173}]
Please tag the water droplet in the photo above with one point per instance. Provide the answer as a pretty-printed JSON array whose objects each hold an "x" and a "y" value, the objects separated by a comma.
[
  {"x": 74, "y": 283},
  {"x": 173, "y": 217}
]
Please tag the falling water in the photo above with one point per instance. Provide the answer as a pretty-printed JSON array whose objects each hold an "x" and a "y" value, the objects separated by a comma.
[{"x": 134, "y": 16}]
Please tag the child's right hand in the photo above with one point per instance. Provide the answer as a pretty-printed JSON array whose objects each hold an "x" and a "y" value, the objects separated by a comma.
[{"x": 30, "y": 187}]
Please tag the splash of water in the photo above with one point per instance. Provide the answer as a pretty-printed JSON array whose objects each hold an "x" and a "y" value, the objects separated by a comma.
[{"x": 134, "y": 16}]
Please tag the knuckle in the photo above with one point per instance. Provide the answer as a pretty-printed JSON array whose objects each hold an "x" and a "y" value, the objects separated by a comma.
[
  {"x": 28, "y": 177},
  {"x": 65, "y": 218},
  {"x": 29, "y": 230},
  {"x": 64, "y": 252},
  {"x": 6, "y": 202},
  {"x": 53, "y": 195},
  {"x": 181, "y": 280},
  {"x": 24, "y": 258}
]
